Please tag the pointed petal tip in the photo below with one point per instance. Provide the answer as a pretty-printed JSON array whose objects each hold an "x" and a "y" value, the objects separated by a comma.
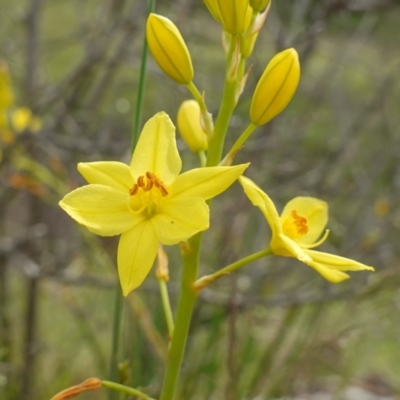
[{"x": 339, "y": 279}]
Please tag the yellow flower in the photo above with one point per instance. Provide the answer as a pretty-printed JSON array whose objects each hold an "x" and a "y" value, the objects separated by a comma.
[
  {"x": 297, "y": 230},
  {"x": 22, "y": 118},
  {"x": 276, "y": 87},
  {"x": 169, "y": 49},
  {"x": 147, "y": 201},
  {"x": 189, "y": 126}
]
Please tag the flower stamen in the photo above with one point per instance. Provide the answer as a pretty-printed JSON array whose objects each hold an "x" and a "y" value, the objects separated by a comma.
[
  {"x": 300, "y": 222},
  {"x": 146, "y": 182}
]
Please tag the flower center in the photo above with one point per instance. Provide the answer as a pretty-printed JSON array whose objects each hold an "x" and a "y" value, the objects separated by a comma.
[
  {"x": 146, "y": 194},
  {"x": 147, "y": 182},
  {"x": 294, "y": 225}
]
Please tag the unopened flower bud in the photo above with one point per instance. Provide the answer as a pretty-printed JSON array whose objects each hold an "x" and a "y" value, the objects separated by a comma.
[
  {"x": 259, "y": 5},
  {"x": 249, "y": 37},
  {"x": 235, "y": 15},
  {"x": 189, "y": 126},
  {"x": 212, "y": 6},
  {"x": 169, "y": 49},
  {"x": 276, "y": 87}
]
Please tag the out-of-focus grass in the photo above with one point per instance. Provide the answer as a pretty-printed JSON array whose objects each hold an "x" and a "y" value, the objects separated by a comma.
[{"x": 275, "y": 328}]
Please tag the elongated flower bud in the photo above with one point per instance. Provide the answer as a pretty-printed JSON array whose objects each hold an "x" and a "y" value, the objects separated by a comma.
[
  {"x": 234, "y": 15},
  {"x": 169, "y": 49},
  {"x": 189, "y": 126},
  {"x": 259, "y": 5},
  {"x": 212, "y": 6},
  {"x": 276, "y": 87}
]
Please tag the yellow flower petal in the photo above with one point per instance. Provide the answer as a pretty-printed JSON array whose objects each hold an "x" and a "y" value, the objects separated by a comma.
[
  {"x": 156, "y": 150},
  {"x": 315, "y": 211},
  {"x": 206, "y": 182},
  {"x": 102, "y": 209},
  {"x": 108, "y": 173},
  {"x": 337, "y": 262},
  {"x": 283, "y": 246},
  {"x": 261, "y": 200},
  {"x": 181, "y": 218},
  {"x": 137, "y": 250},
  {"x": 330, "y": 274}
]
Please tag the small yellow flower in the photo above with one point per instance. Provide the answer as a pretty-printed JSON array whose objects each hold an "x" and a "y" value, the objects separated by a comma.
[
  {"x": 259, "y": 5},
  {"x": 297, "y": 230},
  {"x": 22, "y": 118},
  {"x": 189, "y": 126},
  {"x": 276, "y": 87},
  {"x": 147, "y": 202},
  {"x": 169, "y": 49}
]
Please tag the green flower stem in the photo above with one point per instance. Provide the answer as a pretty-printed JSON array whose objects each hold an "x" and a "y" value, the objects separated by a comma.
[
  {"x": 203, "y": 158},
  {"x": 126, "y": 389},
  {"x": 186, "y": 304},
  {"x": 206, "y": 116},
  {"x": 238, "y": 144},
  {"x": 118, "y": 306},
  {"x": 207, "y": 279},
  {"x": 137, "y": 119},
  {"x": 216, "y": 143},
  {"x": 167, "y": 306}
]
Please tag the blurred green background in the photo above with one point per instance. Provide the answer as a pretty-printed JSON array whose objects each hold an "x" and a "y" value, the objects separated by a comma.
[{"x": 273, "y": 330}]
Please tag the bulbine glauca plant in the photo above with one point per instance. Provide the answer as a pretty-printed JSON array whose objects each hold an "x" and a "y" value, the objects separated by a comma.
[{"x": 151, "y": 204}]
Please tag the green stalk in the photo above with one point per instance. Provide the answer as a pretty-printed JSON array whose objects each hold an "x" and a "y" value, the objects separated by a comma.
[
  {"x": 137, "y": 119},
  {"x": 202, "y": 158},
  {"x": 166, "y": 306},
  {"x": 186, "y": 304},
  {"x": 238, "y": 144},
  {"x": 118, "y": 305},
  {"x": 216, "y": 143},
  {"x": 206, "y": 116},
  {"x": 126, "y": 390},
  {"x": 207, "y": 279}
]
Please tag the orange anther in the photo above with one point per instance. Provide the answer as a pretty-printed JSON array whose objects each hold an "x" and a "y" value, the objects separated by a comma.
[
  {"x": 300, "y": 222},
  {"x": 134, "y": 189},
  {"x": 146, "y": 182},
  {"x": 140, "y": 182},
  {"x": 149, "y": 185}
]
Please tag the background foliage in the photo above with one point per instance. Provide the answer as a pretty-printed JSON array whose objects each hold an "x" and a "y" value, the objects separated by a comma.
[{"x": 275, "y": 328}]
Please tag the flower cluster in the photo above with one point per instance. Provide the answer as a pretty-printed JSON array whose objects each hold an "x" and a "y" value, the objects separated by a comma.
[{"x": 148, "y": 202}]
